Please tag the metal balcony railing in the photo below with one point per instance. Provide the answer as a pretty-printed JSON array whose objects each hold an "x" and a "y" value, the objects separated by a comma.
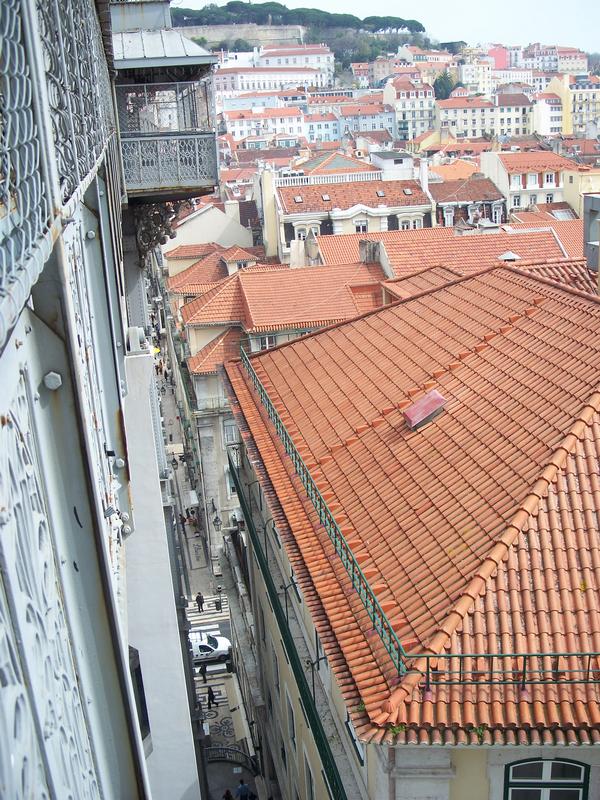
[
  {"x": 167, "y": 136},
  {"x": 233, "y": 755},
  {"x": 376, "y": 614},
  {"x": 312, "y": 712}
]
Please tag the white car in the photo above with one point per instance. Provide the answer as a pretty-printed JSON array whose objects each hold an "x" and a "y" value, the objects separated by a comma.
[{"x": 206, "y": 647}]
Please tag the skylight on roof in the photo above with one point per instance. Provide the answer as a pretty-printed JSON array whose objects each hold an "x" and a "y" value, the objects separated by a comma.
[
  {"x": 407, "y": 191},
  {"x": 325, "y": 197},
  {"x": 298, "y": 198},
  {"x": 380, "y": 193}
]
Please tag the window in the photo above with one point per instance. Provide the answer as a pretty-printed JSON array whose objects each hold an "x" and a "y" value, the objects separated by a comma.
[
  {"x": 533, "y": 199},
  {"x": 546, "y": 780},
  {"x": 309, "y": 780},
  {"x": 516, "y": 201},
  {"x": 266, "y": 342},
  {"x": 360, "y": 225},
  {"x": 301, "y": 234},
  {"x": 358, "y": 745},
  {"x": 275, "y": 667},
  {"x": 570, "y": 179},
  {"x": 549, "y": 198},
  {"x": 405, "y": 225},
  {"x": 231, "y": 489},
  {"x": 291, "y": 720},
  {"x": 230, "y": 432},
  {"x": 549, "y": 179}
]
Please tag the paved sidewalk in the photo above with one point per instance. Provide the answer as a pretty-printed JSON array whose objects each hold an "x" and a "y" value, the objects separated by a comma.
[{"x": 226, "y": 722}]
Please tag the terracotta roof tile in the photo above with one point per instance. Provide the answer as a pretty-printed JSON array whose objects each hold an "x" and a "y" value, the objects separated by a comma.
[
  {"x": 346, "y": 195},
  {"x": 482, "y": 527},
  {"x": 191, "y": 250},
  {"x": 569, "y": 232},
  {"x": 534, "y": 161},
  {"x": 456, "y": 170},
  {"x": 221, "y": 349},
  {"x": 274, "y": 299},
  {"x": 465, "y": 191},
  {"x": 409, "y": 251}
]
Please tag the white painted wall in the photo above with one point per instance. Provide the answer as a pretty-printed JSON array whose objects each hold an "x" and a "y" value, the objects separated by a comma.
[
  {"x": 152, "y": 617},
  {"x": 209, "y": 224}
]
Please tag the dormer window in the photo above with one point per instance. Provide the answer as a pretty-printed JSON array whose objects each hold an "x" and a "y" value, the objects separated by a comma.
[{"x": 298, "y": 199}]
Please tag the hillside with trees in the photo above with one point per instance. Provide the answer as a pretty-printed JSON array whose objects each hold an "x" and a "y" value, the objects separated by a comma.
[{"x": 237, "y": 12}]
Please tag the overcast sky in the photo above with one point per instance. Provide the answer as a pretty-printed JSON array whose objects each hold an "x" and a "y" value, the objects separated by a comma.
[{"x": 564, "y": 22}]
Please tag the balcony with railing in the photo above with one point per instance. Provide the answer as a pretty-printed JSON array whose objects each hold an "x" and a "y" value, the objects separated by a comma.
[{"x": 168, "y": 141}]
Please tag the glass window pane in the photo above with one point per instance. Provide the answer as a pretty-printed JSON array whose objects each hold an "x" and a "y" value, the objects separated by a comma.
[
  {"x": 565, "y": 794},
  {"x": 525, "y": 794},
  {"x": 563, "y": 771},
  {"x": 529, "y": 771}
]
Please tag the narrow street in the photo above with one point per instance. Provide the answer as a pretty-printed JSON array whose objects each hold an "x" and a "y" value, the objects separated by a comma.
[{"x": 225, "y": 726}]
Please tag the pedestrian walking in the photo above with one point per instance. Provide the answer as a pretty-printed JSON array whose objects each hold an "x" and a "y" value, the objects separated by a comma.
[
  {"x": 203, "y": 672},
  {"x": 166, "y": 375},
  {"x": 200, "y": 602},
  {"x": 212, "y": 700},
  {"x": 156, "y": 367},
  {"x": 182, "y": 520},
  {"x": 228, "y": 795},
  {"x": 243, "y": 790}
]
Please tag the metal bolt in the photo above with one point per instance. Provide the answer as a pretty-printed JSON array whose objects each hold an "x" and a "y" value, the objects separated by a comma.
[
  {"x": 4, "y": 516},
  {"x": 52, "y": 381},
  {"x": 90, "y": 235},
  {"x": 126, "y": 530},
  {"x": 119, "y": 463},
  {"x": 124, "y": 516}
]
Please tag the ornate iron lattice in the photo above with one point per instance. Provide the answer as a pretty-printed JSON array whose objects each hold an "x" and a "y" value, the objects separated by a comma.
[
  {"x": 24, "y": 204},
  {"x": 169, "y": 161},
  {"x": 78, "y": 87},
  {"x": 43, "y": 701}
]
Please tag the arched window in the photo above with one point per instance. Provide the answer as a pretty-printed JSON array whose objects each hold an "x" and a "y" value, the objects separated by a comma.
[{"x": 546, "y": 780}]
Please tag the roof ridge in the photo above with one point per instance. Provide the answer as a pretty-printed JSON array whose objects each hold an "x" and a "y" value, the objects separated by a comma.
[
  {"x": 497, "y": 553},
  {"x": 555, "y": 284}
]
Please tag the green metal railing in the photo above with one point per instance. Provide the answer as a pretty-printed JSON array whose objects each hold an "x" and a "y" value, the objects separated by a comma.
[
  {"x": 519, "y": 669},
  {"x": 376, "y": 614},
  {"x": 312, "y": 713}
]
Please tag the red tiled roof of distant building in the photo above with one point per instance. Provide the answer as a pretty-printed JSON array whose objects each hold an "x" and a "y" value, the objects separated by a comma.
[
  {"x": 512, "y": 100},
  {"x": 192, "y": 250},
  {"x": 465, "y": 191},
  {"x": 334, "y": 162},
  {"x": 365, "y": 111},
  {"x": 332, "y": 99},
  {"x": 409, "y": 251},
  {"x": 288, "y": 111},
  {"x": 569, "y": 232},
  {"x": 380, "y": 136},
  {"x": 221, "y": 349},
  {"x": 369, "y": 99},
  {"x": 262, "y": 70},
  {"x": 325, "y": 117},
  {"x": 511, "y": 460},
  {"x": 346, "y": 195},
  {"x": 465, "y": 102},
  {"x": 275, "y": 299},
  {"x": 534, "y": 161},
  {"x": 458, "y": 169}
]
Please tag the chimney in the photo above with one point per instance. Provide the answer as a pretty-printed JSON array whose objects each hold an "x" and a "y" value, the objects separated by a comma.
[
  {"x": 424, "y": 174},
  {"x": 369, "y": 251}
]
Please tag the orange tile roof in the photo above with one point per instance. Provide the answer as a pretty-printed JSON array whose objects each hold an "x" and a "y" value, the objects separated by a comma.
[
  {"x": 209, "y": 269},
  {"x": 346, "y": 195},
  {"x": 275, "y": 299},
  {"x": 335, "y": 162},
  {"x": 569, "y": 231},
  {"x": 408, "y": 251},
  {"x": 479, "y": 533},
  {"x": 192, "y": 250},
  {"x": 456, "y": 170},
  {"x": 221, "y": 349},
  {"x": 464, "y": 102},
  {"x": 534, "y": 161},
  {"x": 465, "y": 191}
]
